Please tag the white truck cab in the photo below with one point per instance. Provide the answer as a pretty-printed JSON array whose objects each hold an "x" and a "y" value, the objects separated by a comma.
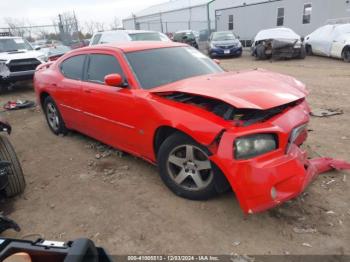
[{"x": 18, "y": 59}]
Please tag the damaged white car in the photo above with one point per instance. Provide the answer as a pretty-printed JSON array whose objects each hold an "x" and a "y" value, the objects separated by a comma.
[
  {"x": 18, "y": 60},
  {"x": 278, "y": 43},
  {"x": 330, "y": 41}
]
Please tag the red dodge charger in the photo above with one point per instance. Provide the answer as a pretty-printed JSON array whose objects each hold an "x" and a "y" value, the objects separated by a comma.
[{"x": 207, "y": 130}]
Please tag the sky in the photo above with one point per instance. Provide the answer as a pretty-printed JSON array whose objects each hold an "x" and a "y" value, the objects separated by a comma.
[{"x": 40, "y": 12}]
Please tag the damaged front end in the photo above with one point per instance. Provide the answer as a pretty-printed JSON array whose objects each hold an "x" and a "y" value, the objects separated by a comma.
[
  {"x": 260, "y": 153},
  {"x": 280, "y": 49}
]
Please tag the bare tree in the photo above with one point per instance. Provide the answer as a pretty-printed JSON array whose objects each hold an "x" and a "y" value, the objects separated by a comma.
[
  {"x": 16, "y": 27},
  {"x": 89, "y": 27},
  {"x": 115, "y": 24}
]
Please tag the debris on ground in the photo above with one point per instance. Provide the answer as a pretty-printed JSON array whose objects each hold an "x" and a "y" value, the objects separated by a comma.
[
  {"x": 326, "y": 112},
  {"x": 304, "y": 230},
  {"x": 19, "y": 104},
  {"x": 109, "y": 172},
  {"x": 306, "y": 245},
  {"x": 236, "y": 243}
]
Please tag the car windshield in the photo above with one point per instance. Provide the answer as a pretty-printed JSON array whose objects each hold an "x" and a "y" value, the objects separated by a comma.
[
  {"x": 224, "y": 36},
  {"x": 14, "y": 44},
  {"x": 147, "y": 37},
  {"x": 158, "y": 67}
]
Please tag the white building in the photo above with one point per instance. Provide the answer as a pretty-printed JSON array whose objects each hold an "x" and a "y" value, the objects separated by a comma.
[
  {"x": 247, "y": 17},
  {"x": 244, "y": 17},
  {"x": 171, "y": 16}
]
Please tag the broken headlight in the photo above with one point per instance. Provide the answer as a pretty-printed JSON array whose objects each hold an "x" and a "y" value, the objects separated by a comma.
[{"x": 254, "y": 145}]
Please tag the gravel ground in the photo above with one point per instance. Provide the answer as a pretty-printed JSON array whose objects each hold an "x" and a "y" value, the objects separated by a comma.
[{"x": 120, "y": 202}]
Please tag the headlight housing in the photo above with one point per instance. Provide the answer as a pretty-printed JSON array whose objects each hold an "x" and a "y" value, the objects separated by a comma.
[{"x": 254, "y": 145}]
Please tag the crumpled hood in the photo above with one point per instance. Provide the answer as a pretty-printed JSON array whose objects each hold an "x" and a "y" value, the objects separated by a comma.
[
  {"x": 22, "y": 54},
  {"x": 257, "y": 89}
]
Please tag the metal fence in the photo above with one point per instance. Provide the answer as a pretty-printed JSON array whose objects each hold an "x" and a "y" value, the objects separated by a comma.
[{"x": 65, "y": 29}]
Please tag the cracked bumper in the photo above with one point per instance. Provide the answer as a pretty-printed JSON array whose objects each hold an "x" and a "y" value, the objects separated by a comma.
[{"x": 266, "y": 181}]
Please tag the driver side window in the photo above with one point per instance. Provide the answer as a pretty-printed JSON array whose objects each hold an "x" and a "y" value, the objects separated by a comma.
[{"x": 101, "y": 65}]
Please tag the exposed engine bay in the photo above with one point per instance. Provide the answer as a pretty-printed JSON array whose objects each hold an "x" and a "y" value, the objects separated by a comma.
[{"x": 241, "y": 117}]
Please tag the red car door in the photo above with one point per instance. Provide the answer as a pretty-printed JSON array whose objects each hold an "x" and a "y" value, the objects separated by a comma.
[
  {"x": 111, "y": 113},
  {"x": 68, "y": 91}
]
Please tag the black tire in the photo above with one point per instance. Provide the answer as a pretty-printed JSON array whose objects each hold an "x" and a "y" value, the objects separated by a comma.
[
  {"x": 346, "y": 54},
  {"x": 59, "y": 126},
  {"x": 260, "y": 52},
  {"x": 302, "y": 54},
  {"x": 217, "y": 183},
  {"x": 16, "y": 181},
  {"x": 308, "y": 49}
]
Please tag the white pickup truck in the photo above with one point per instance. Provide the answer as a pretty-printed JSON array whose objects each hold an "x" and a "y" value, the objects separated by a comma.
[{"x": 18, "y": 60}]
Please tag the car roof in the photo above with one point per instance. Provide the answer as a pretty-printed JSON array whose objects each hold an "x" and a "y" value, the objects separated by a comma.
[
  {"x": 184, "y": 31},
  {"x": 126, "y": 32},
  {"x": 127, "y": 47}
]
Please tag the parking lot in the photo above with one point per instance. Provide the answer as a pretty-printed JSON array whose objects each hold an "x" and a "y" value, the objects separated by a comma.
[{"x": 78, "y": 188}]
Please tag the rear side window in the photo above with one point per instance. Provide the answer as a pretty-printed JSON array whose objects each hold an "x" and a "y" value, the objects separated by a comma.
[
  {"x": 73, "y": 67},
  {"x": 102, "y": 65},
  {"x": 96, "y": 39}
]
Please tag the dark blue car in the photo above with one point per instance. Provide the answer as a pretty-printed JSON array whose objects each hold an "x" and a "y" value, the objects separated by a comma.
[{"x": 224, "y": 44}]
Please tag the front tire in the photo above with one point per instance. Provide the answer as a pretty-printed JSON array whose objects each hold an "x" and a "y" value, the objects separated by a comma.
[
  {"x": 16, "y": 181},
  {"x": 346, "y": 54},
  {"x": 53, "y": 117},
  {"x": 261, "y": 52},
  {"x": 185, "y": 168},
  {"x": 308, "y": 49},
  {"x": 302, "y": 54}
]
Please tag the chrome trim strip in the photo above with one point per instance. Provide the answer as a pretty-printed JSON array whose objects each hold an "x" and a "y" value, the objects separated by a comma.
[
  {"x": 99, "y": 117},
  {"x": 109, "y": 120},
  {"x": 72, "y": 108}
]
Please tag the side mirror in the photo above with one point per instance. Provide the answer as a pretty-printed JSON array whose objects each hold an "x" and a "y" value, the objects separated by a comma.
[
  {"x": 217, "y": 61},
  {"x": 37, "y": 48},
  {"x": 114, "y": 80}
]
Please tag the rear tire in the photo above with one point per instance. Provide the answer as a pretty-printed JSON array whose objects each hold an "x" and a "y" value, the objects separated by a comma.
[
  {"x": 186, "y": 170},
  {"x": 346, "y": 54},
  {"x": 16, "y": 181},
  {"x": 53, "y": 117}
]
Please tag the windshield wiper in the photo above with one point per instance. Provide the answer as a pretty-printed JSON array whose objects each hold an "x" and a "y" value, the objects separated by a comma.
[{"x": 15, "y": 50}]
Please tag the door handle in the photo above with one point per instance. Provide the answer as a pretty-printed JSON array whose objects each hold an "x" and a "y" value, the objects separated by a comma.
[{"x": 87, "y": 91}]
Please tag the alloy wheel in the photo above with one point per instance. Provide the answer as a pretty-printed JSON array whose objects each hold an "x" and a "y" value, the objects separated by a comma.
[
  {"x": 190, "y": 168},
  {"x": 52, "y": 116}
]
